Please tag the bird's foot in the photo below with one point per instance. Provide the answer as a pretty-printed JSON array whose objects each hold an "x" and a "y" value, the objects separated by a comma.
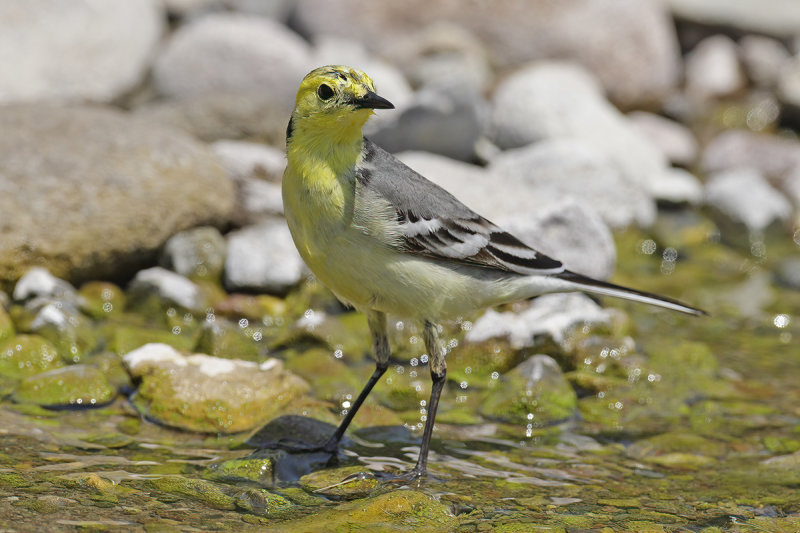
[{"x": 413, "y": 477}]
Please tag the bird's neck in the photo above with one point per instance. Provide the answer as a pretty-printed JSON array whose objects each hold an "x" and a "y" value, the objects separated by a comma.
[{"x": 335, "y": 143}]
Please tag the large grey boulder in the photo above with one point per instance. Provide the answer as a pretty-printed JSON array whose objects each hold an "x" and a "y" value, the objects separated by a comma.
[{"x": 92, "y": 193}]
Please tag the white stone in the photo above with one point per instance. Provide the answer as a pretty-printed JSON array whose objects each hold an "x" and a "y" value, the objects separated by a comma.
[
  {"x": 746, "y": 196},
  {"x": 712, "y": 68},
  {"x": 559, "y": 100},
  {"x": 169, "y": 286},
  {"x": 78, "y": 50},
  {"x": 552, "y": 314},
  {"x": 263, "y": 258},
  {"x": 564, "y": 167},
  {"x": 154, "y": 352},
  {"x": 675, "y": 140},
  {"x": 232, "y": 52},
  {"x": 39, "y": 282},
  {"x": 243, "y": 159}
]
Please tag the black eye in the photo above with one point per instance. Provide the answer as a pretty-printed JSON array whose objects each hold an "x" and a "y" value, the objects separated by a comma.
[{"x": 324, "y": 92}]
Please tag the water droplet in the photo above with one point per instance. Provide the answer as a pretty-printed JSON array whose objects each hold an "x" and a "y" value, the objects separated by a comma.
[
  {"x": 781, "y": 321},
  {"x": 257, "y": 336},
  {"x": 414, "y": 361},
  {"x": 648, "y": 247},
  {"x": 176, "y": 330},
  {"x": 243, "y": 323},
  {"x": 338, "y": 354},
  {"x": 424, "y": 358},
  {"x": 463, "y": 384},
  {"x": 495, "y": 375}
]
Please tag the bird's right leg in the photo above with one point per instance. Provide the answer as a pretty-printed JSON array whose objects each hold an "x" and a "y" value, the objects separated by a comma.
[{"x": 381, "y": 350}]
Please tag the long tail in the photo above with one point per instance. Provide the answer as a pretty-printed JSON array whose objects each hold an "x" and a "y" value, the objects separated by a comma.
[{"x": 587, "y": 284}]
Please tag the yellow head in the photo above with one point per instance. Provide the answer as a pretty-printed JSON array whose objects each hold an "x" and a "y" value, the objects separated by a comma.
[{"x": 335, "y": 101}]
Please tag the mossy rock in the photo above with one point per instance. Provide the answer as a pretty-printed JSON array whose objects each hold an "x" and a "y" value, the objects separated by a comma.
[
  {"x": 535, "y": 392},
  {"x": 125, "y": 338},
  {"x": 71, "y": 333},
  {"x": 222, "y": 338},
  {"x": 71, "y": 386},
  {"x": 475, "y": 362},
  {"x": 253, "y": 307},
  {"x": 264, "y": 503},
  {"x": 210, "y": 394},
  {"x": 26, "y": 355},
  {"x": 258, "y": 468},
  {"x": 346, "y": 483},
  {"x": 102, "y": 299},
  {"x": 195, "y": 489},
  {"x": 331, "y": 379},
  {"x": 6, "y": 325},
  {"x": 399, "y": 510}
]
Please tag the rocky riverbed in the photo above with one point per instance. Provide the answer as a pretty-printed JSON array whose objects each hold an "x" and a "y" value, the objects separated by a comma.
[{"x": 159, "y": 332}]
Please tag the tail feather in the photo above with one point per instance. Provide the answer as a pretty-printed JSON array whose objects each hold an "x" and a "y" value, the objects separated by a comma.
[{"x": 591, "y": 285}]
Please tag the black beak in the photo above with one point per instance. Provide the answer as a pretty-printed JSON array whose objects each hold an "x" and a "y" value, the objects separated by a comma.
[{"x": 372, "y": 101}]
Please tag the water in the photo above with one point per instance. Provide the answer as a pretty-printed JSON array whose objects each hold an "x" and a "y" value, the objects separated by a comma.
[{"x": 682, "y": 424}]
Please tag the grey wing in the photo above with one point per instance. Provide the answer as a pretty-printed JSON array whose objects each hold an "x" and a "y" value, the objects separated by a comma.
[{"x": 433, "y": 223}]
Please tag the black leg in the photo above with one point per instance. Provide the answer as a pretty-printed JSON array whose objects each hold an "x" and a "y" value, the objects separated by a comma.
[
  {"x": 438, "y": 374},
  {"x": 380, "y": 348}
]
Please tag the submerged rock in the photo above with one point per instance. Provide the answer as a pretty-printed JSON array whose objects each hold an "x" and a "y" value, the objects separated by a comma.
[
  {"x": 403, "y": 510},
  {"x": 346, "y": 483},
  {"x": 263, "y": 502},
  {"x": 195, "y": 489},
  {"x": 209, "y": 394},
  {"x": 258, "y": 468},
  {"x": 70, "y": 386}
]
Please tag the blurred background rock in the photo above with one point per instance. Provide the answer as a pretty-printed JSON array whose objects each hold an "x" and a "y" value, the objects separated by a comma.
[{"x": 125, "y": 123}]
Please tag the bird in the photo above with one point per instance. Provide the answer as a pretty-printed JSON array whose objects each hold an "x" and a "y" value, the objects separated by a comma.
[{"x": 387, "y": 241}]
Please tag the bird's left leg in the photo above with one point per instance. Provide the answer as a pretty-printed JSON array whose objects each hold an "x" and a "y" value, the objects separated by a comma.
[{"x": 380, "y": 348}]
